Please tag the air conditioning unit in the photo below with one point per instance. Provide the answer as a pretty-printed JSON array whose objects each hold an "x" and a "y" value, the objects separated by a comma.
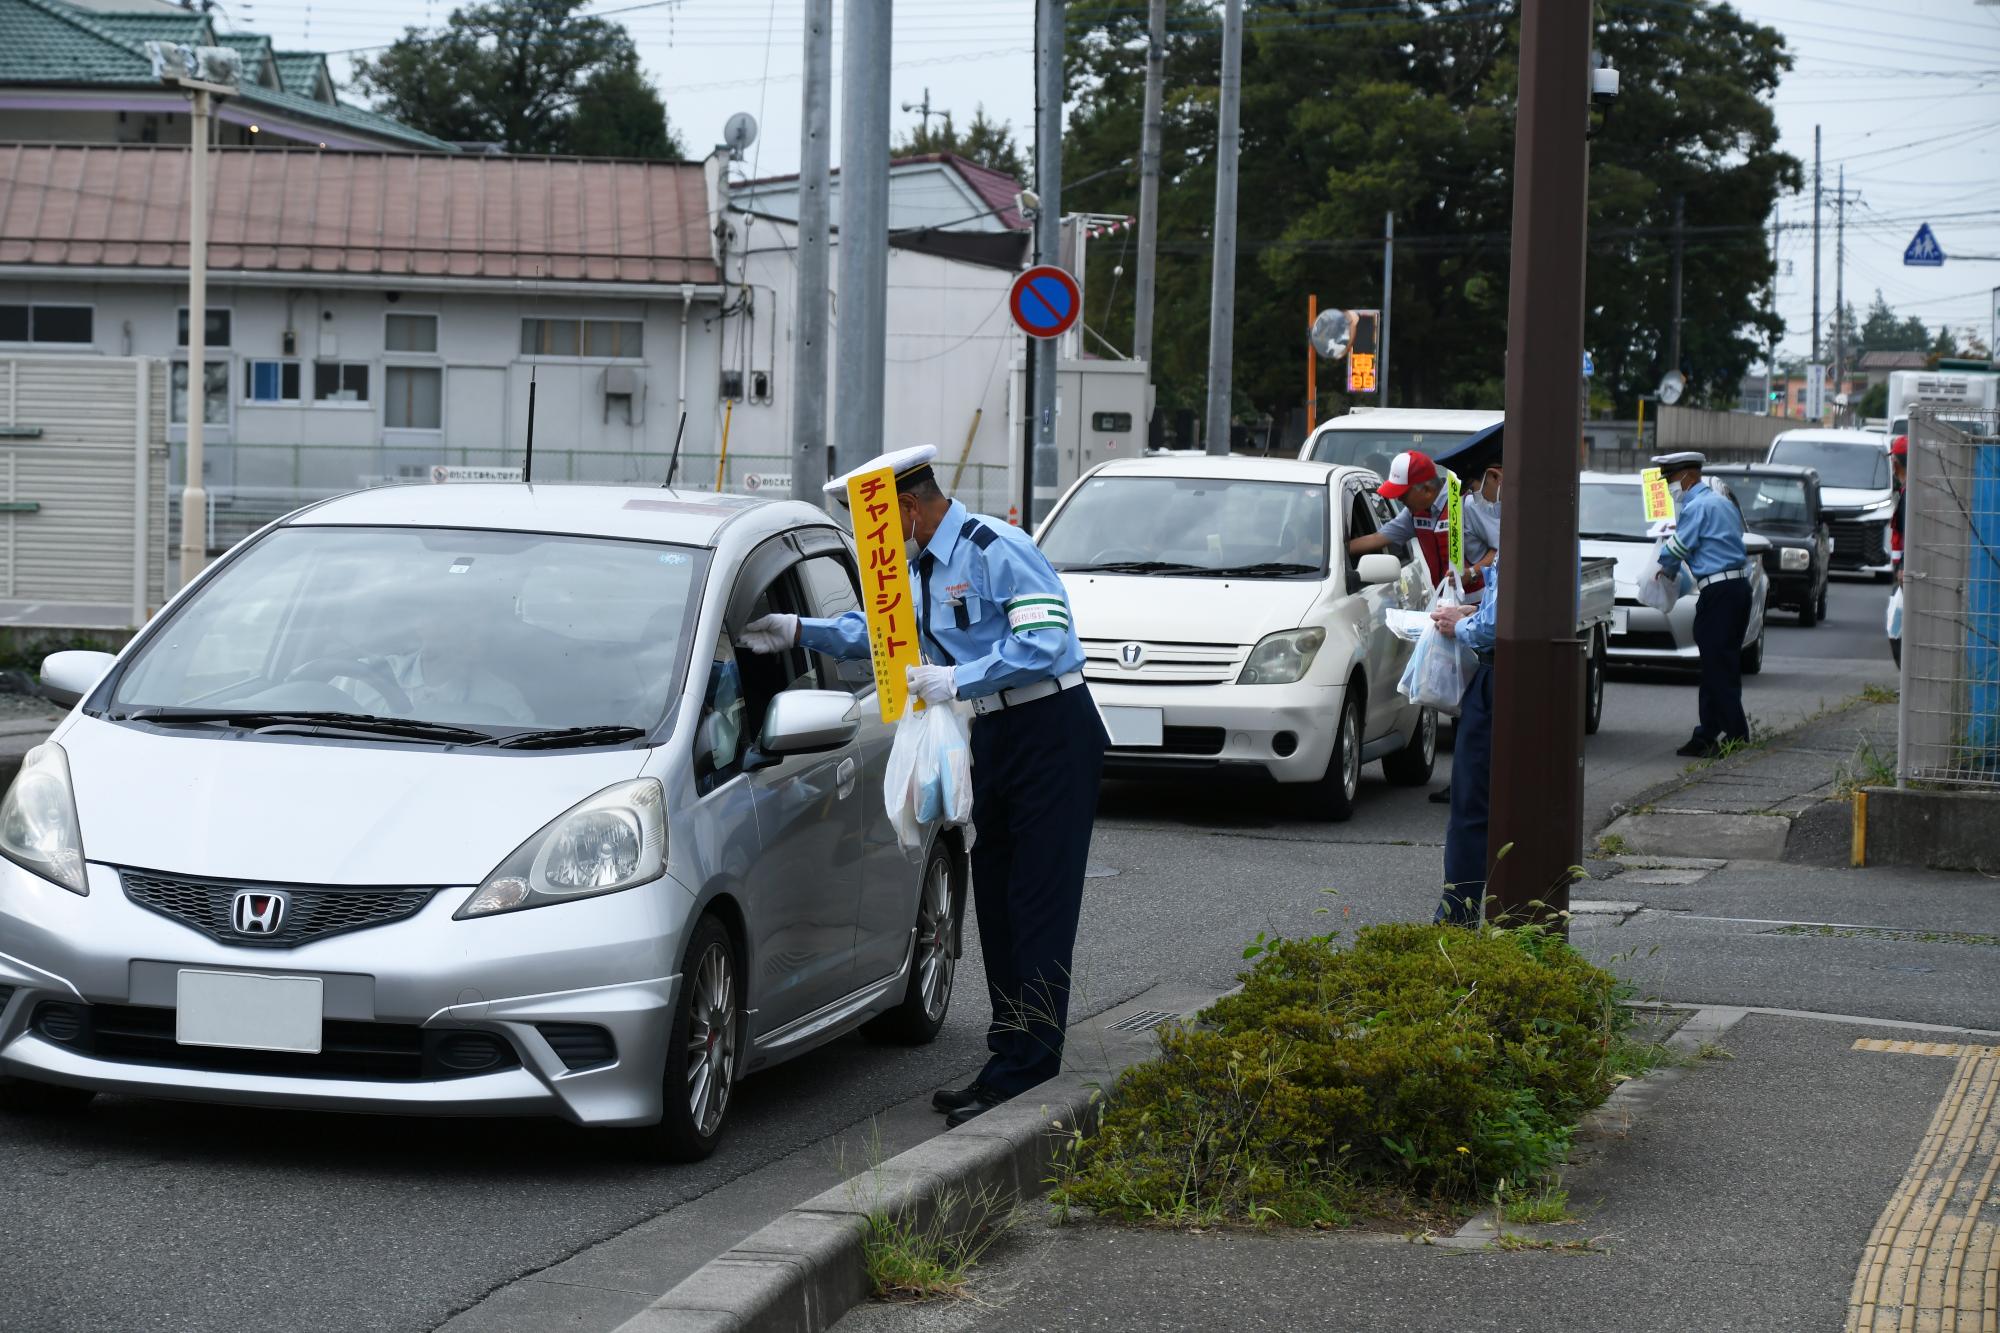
[{"x": 625, "y": 385}]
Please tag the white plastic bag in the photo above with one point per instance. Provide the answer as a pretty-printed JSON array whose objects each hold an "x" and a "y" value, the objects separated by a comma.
[
  {"x": 929, "y": 780},
  {"x": 1659, "y": 589},
  {"x": 1409, "y": 626},
  {"x": 1438, "y": 672},
  {"x": 1895, "y": 617}
]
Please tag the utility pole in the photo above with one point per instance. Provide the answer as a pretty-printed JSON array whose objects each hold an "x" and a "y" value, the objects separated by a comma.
[
  {"x": 1840, "y": 295},
  {"x": 864, "y": 233},
  {"x": 1045, "y": 353},
  {"x": 1771, "y": 298},
  {"x": 1388, "y": 284},
  {"x": 924, "y": 112},
  {"x": 1674, "y": 320},
  {"x": 1149, "y": 185},
  {"x": 1812, "y": 352},
  {"x": 1537, "y": 774},
  {"x": 1222, "y": 292},
  {"x": 810, "y": 279}
]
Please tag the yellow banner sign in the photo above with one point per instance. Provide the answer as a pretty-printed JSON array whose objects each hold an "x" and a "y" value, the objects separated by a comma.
[
  {"x": 1455, "y": 517},
  {"x": 1360, "y": 372},
  {"x": 1659, "y": 499},
  {"x": 885, "y": 586}
]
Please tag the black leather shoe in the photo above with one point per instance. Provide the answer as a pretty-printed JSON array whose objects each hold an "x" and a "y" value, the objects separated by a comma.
[
  {"x": 950, "y": 1099},
  {"x": 972, "y": 1110},
  {"x": 1442, "y": 796},
  {"x": 1698, "y": 747}
]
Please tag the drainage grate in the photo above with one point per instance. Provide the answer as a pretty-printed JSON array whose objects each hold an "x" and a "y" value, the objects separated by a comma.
[
  {"x": 1143, "y": 1021},
  {"x": 1887, "y": 933}
]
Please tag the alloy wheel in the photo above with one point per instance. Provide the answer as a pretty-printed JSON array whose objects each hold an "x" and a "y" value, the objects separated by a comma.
[
  {"x": 935, "y": 965},
  {"x": 711, "y": 1044},
  {"x": 1350, "y": 753}
]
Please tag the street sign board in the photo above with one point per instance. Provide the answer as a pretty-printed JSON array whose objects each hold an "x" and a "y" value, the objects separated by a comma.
[
  {"x": 1924, "y": 250},
  {"x": 1045, "y": 302},
  {"x": 1815, "y": 391},
  {"x": 1362, "y": 373}
]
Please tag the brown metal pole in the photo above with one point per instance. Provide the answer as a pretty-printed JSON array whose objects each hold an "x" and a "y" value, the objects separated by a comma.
[{"x": 1537, "y": 780}]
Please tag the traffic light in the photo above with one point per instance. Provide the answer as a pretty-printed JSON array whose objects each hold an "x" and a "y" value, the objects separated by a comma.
[{"x": 1361, "y": 354}]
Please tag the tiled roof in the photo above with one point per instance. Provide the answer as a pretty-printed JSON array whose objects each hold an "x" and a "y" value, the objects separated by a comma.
[
  {"x": 136, "y": 28},
  {"x": 480, "y": 218},
  {"x": 1895, "y": 360},
  {"x": 339, "y": 113},
  {"x": 996, "y": 188},
  {"x": 299, "y": 71}
]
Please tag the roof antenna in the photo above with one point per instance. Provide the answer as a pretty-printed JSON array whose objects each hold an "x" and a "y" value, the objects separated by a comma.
[
  {"x": 528, "y": 464},
  {"x": 672, "y": 463}
]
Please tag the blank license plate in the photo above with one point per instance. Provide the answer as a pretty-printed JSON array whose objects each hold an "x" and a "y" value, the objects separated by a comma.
[
  {"x": 248, "y": 1012},
  {"x": 1619, "y": 616},
  {"x": 1135, "y": 727}
]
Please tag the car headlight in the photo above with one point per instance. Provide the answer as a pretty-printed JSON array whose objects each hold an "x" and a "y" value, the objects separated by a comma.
[
  {"x": 1880, "y": 509},
  {"x": 1794, "y": 558},
  {"x": 38, "y": 827},
  {"x": 1282, "y": 658},
  {"x": 615, "y": 840}
]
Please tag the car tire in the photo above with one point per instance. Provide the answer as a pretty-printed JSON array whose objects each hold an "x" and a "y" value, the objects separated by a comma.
[
  {"x": 708, "y": 1010},
  {"x": 919, "y": 1016},
  {"x": 1809, "y": 613},
  {"x": 1753, "y": 656},
  {"x": 1411, "y": 766},
  {"x": 1595, "y": 683},
  {"x": 27, "y": 1097},
  {"x": 1341, "y": 785}
]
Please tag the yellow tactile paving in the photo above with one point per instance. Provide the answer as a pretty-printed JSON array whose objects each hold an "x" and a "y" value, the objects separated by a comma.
[{"x": 1933, "y": 1262}]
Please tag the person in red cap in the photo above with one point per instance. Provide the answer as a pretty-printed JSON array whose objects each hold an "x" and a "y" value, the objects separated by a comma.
[
  {"x": 1414, "y": 479},
  {"x": 1899, "y": 459}
]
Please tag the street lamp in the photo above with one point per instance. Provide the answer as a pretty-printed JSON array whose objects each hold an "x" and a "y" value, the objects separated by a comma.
[{"x": 205, "y": 72}]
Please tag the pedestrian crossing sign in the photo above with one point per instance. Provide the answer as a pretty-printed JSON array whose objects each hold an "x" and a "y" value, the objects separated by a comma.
[
  {"x": 1924, "y": 250},
  {"x": 1659, "y": 499}
]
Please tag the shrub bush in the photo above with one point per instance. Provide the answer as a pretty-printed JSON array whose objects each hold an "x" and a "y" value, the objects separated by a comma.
[{"x": 1424, "y": 1057}]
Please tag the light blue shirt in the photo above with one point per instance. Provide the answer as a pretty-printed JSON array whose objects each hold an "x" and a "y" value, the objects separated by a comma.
[
  {"x": 1477, "y": 630},
  {"x": 996, "y": 609},
  {"x": 1708, "y": 535}
]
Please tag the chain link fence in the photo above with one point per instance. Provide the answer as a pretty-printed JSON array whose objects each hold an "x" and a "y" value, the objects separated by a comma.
[
  {"x": 1950, "y": 710},
  {"x": 249, "y": 485}
]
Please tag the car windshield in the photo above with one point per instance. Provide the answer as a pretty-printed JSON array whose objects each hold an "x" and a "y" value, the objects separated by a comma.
[
  {"x": 1770, "y": 502},
  {"x": 1612, "y": 511},
  {"x": 1857, "y": 467},
  {"x": 498, "y": 631},
  {"x": 1192, "y": 526},
  {"x": 1376, "y": 449}
]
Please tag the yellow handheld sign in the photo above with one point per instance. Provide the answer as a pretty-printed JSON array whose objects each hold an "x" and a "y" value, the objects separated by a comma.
[
  {"x": 885, "y": 584},
  {"x": 1659, "y": 499},
  {"x": 1455, "y": 516}
]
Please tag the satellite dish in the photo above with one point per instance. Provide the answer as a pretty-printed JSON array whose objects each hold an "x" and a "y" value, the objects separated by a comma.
[
  {"x": 1331, "y": 333},
  {"x": 1672, "y": 386},
  {"x": 739, "y": 133}
]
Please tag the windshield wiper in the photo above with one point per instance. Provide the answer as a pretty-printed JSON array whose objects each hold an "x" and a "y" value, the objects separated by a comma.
[
  {"x": 257, "y": 720},
  {"x": 1272, "y": 567},
  {"x": 1614, "y": 536},
  {"x": 557, "y": 738},
  {"x": 1138, "y": 567}
]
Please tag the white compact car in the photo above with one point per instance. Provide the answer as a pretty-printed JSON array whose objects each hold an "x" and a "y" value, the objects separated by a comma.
[
  {"x": 1857, "y": 491},
  {"x": 1227, "y": 630},
  {"x": 1371, "y": 436}
]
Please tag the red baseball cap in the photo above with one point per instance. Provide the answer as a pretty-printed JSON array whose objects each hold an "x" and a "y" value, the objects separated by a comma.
[
  {"x": 1410, "y": 468},
  {"x": 1899, "y": 446}
]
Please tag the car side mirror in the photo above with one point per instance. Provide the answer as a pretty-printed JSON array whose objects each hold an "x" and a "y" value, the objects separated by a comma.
[
  {"x": 1754, "y": 544},
  {"x": 1380, "y": 567},
  {"x": 68, "y": 676},
  {"x": 809, "y": 722}
]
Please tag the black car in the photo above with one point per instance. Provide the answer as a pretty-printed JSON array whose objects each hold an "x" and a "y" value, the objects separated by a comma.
[{"x": 1782, "y": 503}]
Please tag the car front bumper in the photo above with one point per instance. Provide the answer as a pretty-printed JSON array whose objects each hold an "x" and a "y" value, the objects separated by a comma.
[
  {"x": 1283, "y": 732},
  {"x": 605, "y": 963},
  {"x": 1650, "y": 636}
]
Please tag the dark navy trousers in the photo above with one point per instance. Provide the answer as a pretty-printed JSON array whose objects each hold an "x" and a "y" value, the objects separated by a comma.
[
  {"x": 1035, "y": 769},
  {"x": 1721, "y": 618},
  {"x": 1471, "y": 785}
]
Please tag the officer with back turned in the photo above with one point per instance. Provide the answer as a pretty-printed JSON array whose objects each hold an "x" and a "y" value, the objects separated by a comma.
[
  {"x": 996, "y": 632},
  {"x": 1708, "y": 539}
]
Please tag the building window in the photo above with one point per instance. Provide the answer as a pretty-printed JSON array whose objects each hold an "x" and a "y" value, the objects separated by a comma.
[
  {"x": 214, "y": 394},
  {"x": 340, "y": 381},
  {"x": 66, "y": 325},
  {"x": 273, "y": 382},
  {"x": 411, "y": 333},
  {"x": 621, "y": 338},
  {"x": 215, "y": 328},
  {"x": 412, "y": 398}
]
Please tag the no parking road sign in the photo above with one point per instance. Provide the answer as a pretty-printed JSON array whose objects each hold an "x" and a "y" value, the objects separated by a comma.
[{"x": 1045, "y": 302}]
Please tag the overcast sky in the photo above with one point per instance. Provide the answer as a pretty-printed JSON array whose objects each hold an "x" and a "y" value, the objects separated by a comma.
[{"x": 1907, "y": 93}]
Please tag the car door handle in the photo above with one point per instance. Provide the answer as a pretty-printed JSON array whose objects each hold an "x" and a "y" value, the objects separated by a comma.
[{"x": 844, "y": 778}]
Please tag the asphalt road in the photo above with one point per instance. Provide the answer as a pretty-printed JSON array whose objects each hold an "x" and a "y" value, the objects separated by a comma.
[{"x": 150, "y": 1215}]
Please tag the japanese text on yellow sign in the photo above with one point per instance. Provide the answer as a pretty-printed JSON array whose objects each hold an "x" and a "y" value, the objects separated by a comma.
[
  {"x": 1360, "y": 372},
  {"x": 1455, "y": 521},
  {"x": 885, "y": 586},
  {"x": 1659, "y": 500}
]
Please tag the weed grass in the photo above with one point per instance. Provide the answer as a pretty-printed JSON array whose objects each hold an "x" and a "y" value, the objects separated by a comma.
[
  {"x": 933, "y": 1260},
  {"x": 1547, "y": 1206}
]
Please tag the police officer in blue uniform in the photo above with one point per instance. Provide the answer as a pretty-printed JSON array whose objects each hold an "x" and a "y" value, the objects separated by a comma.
[
  {"x": 1475, "y": 626},
  {"x": 1708, "y": 539},
  {"x": 995, "y": 629}
]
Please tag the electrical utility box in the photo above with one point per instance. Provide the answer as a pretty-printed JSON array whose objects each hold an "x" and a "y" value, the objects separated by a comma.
[{"x": 1102, "y": 410}]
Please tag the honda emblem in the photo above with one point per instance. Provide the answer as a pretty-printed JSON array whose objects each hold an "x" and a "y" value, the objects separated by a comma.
[
  {"x": 1131, "y": 655},
  {"x": 257, "y": 912}
]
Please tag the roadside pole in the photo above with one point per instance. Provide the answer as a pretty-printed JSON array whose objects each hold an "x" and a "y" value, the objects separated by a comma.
[
  {"x": 1149, "y": 188},
  {"x": 864, "y": 233},
  {"x": 194, "y": 496},
  {"x": 1043, "y": 353},
  {"x": 1312, "y": 365},
  {"x": 1222, "y": 291},
  {"x": 810, "y": 278},
  {"x": 1388, "y": 283},
  {"x": 1537, "y": 775}
]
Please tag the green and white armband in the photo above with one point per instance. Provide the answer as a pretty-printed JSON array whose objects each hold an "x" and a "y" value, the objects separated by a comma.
[{"x": 1025, "y": 615}]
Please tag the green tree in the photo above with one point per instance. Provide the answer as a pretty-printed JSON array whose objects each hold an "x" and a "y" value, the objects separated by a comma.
[
  {"x": 534, "y": 76},
  {"x": 1883, "y": 332},
  {"x": 986, "y": 141},
  {"x": 1409, "y": 107}
]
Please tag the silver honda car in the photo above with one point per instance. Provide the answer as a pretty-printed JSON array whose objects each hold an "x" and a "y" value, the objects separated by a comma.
[{"x": 459, "y": 800}]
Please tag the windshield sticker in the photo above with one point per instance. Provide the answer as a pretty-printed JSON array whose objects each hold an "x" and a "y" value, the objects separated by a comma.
[
  {"x": 462, "y": 565},
  {"x": 673, "y": 558}
]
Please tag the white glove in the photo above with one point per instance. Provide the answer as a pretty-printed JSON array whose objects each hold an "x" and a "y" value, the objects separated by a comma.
[
  {"x": 770, "y": 634},
  {"x": 933, "y": 684}
]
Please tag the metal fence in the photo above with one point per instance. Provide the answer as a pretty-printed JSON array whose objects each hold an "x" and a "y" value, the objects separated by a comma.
[
  {"x": 1950, "y": 711},
  {"x": 249, "y": 485}
]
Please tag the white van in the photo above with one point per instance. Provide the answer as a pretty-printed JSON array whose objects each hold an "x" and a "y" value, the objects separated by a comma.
[
  {"x": 1857, "y": 490},
  {"x": 1372, "y": 437}
]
